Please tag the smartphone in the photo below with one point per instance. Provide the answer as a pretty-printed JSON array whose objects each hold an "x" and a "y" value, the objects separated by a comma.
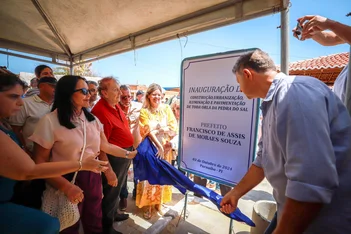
[{"x": 298, "y": 30}]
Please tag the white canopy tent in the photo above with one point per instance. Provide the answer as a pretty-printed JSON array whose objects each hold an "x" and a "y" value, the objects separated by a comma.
[{"x": 70, "y": 32}]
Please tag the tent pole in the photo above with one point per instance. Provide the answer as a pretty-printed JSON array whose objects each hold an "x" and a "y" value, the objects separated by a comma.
[
  {"x": 185, "y": 199},
  {"x": 71, "y": 67},
  {"x": 284, "y": 41}
]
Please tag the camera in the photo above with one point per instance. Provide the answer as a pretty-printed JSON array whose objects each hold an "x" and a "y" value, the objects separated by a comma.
[{"x": 298, "y": 30}]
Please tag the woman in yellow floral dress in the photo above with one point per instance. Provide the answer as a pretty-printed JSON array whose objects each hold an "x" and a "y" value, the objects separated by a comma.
[{"x": 156, "y": 121}]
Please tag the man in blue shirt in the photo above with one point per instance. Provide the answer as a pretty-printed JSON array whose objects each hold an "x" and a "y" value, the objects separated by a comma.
[{"x": 304, "y": 151}]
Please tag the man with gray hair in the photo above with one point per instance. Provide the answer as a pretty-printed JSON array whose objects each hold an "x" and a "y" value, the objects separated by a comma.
[
  {"x": 93, "y": 90},
  {"x": 132, "y": 112},
  {"x": 304, "y": 151},
  {"x": 117, "y": 132}
]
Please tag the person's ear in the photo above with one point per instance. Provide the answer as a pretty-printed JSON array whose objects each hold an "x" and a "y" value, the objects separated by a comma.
[
  {"x": 247, "y": 74},
  {"x": 104, "y": 93}
]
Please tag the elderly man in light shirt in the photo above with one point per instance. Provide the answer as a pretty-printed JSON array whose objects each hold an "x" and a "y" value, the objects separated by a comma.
[
  {"x": 93, "y": 90},
  {"x": 305, "y": 149},
  {"x": 132, "y": 112}
]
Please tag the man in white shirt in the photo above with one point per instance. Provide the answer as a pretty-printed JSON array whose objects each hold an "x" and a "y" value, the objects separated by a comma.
[
  {"x": 132, "y": 112},
  {"x": 93, "y": 90},
  {"x": 40, "y": 71}
]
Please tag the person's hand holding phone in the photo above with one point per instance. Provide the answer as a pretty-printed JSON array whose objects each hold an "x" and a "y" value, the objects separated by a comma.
[{"x": 310, "y": 25}]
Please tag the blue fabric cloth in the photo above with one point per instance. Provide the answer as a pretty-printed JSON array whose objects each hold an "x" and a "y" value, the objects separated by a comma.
[
  {"x": 305, "y": 149},
  {"x": 17, "y": 219},
  {"x": 156, "y": 171}
]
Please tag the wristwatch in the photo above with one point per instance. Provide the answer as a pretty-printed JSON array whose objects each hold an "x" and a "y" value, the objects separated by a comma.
[{"x": 127, "y": 153}]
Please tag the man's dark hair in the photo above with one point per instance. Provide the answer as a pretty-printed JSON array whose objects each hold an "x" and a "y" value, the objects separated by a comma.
[
  {"x": 257, "y": 60},
  {"x": 8, "y": 81},
  {"x": 63, "y": 94},
  {"x": 124, "y": 87},
  {"x": 92, "y": 82},
  {"x": 39, "y": 69}
]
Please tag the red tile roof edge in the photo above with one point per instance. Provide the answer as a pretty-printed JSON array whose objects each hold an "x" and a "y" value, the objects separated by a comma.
[{"x": 338, "y": 60}]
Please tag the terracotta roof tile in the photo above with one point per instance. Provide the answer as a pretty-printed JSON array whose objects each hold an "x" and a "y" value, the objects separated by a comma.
[{"x": 330, "y": 61}]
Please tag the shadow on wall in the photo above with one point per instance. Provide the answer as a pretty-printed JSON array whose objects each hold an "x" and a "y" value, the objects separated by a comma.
[{"x": 257, "y": 195}]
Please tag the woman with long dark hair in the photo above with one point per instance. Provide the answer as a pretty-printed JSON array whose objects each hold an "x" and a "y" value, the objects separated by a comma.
[
  {"x": 60, "y": 135},
  {"x": 16, "y": 165}
]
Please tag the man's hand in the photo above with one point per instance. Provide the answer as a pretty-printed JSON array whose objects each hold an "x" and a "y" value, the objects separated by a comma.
[
  {"x": 111, "y": 177},
  {"x": 229, "y": 203},
  {"x": 314, "y": 24},
  {"x": 132, "y": 154}
]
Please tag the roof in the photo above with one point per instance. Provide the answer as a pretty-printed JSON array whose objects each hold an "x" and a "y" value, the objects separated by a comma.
[
  {"x": 169, "y": 88},
  {"x": 324, "y": 62},
  {"x": 87, "y": 30}
]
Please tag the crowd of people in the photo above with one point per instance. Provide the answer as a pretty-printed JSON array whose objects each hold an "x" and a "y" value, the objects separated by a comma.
[
  {"x": 51, "y": 121},
  {"x": 59, "y": 127}
]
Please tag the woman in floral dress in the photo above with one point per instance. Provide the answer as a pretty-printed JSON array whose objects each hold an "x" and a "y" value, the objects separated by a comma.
[{"x": 156, "y": 121}]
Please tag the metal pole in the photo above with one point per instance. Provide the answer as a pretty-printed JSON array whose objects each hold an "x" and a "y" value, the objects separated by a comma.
[
  {"x": 284, "y": 43},
  {"x": 71, "y": 67},
  {"x": 185, "y": 204},
  {"x": 231, "y": 226},
  {"x": 186, "y": 199}
]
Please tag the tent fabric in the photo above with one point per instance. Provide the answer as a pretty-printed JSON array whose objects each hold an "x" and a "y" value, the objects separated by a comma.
[
  {"x": 84, "y": 30},
  {"x": 157, "y": 171}
]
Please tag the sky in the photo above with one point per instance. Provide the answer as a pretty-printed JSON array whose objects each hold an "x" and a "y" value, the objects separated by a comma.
[{"x": 161, "y": 63}]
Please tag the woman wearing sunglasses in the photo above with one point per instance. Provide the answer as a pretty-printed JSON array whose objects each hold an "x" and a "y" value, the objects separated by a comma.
[
  {"x": 60, "y": 135},
  {"x": 16, "y": 165}
]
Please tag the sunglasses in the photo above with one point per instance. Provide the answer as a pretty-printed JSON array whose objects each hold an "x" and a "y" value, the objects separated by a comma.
[
  {"x": 126, "y": 97},
  {"x": 84, "y": 91}
]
